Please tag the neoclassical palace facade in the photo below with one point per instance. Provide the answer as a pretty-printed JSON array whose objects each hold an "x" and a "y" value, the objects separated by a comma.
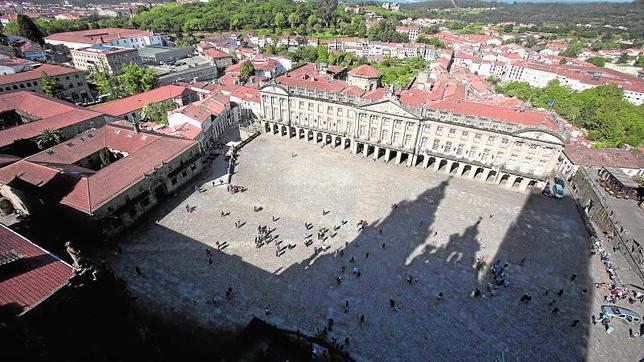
[{"x": 517, "y": 155}]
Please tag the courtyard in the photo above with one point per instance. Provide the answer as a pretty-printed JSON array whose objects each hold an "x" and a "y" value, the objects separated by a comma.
[{"x": 435, "y": 234}]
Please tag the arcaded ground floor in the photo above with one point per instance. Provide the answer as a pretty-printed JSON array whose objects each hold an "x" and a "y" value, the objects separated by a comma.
[{"x": 441, "y": 225}]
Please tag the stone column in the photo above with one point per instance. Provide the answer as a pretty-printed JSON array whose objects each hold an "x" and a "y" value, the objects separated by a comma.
[
  {"x": 437, "y": 164},
  {"x": 376, "y": 150},
  {"x": 426, "y": 161},
  {"x": 398, "y": 157},
  {"x": 448, "y": 166},
  {"x": 473, "y": 172},
  {"x": 524, "y": 184},
  {"x": 411, "y": 160},
  {"x": 387, "y": 155},
  {"x": 354, "y": 147},
  {"x": 461, "y": 166},
  {"x": 365, "y": 149},
  {"x": 511, "y": 180},
  {"x": 486, "y": 173}
]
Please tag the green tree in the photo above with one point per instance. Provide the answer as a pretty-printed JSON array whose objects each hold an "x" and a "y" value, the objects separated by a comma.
[
  {"x": 108, "y": 85},
  {"x": 326, "y": 9},
  {"x": 3, "y": 38},
  {"x": 598, "y": 61},
  {"x": 573, "y": 49},
  {"x": 157, "y": 112},
  {"x": 29, "y": 30},
  {"x": 48, "y": 138},
  {"x": 279, "y": 20},
  {"x": 246, "y": 71},
  {"x": 136, "y": 79},
  {"x": 623, "y": 58},
  {"x": 433, "y": 41},
  {"x": 50, "y": 86}
]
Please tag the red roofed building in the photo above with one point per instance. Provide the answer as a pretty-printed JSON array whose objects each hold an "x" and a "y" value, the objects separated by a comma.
[
  {"x": 30, "y": 274},
  {"x": 365, "y": 77},
  {"x": 130, "y": 108},
  {"x": 131, "y": 38},
  {"x": 577, "y": 155},
  {"x": 25, "y": 115},
  {"x": 221, "y": 59},
  {"x": 212, "y": 115},
  {"x": 104, "y": 179},
  {"x": 442, "y": 127},
  {"x": 71, "y": 80}
]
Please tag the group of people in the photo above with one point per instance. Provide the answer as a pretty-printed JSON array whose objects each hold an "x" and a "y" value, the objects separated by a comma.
[{"x": 264, "y": 236}]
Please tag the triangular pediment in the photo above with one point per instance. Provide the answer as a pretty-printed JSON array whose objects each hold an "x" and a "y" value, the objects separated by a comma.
[{"x": 389, "y": 107}]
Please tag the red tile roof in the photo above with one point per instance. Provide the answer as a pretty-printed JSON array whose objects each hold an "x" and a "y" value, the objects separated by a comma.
[
  {"x": 215, "y": 54},
  {"x": 54, "y": 174},
  {"x": 365, "y": 71},
  {"x": 36, "y": 74},
  {"x": 98, "y": 36},
  {"x": 603, "y": 157},
  {"x": 184, "y": 130},
  {"x": 46, "y": 112},
  {"x": 36, "y": 274},
  {"x": 493, "y": 112},
  {"x": 201, "y": 111},
  {"x": 121, "y": 107}
]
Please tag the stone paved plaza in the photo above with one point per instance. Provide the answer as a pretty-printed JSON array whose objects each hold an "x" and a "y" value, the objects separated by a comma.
[{"x": 440, "y": 227}]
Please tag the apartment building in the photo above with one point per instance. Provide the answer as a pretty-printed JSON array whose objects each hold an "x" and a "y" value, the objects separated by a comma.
[{"x": 102, "y": 58}]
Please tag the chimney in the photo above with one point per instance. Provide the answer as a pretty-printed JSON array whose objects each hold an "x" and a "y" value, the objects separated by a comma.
[{"x": 135, "y": 125}]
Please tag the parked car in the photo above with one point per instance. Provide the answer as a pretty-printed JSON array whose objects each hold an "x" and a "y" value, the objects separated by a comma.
[
  {"x": 559, "y": 181},
  {"x": 559, "y": 191},
  {"x": 625, "y": 315}
]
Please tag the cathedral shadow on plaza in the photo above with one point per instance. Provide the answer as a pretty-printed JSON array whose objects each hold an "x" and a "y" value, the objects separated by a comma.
[{"x": 458, "y": 326}]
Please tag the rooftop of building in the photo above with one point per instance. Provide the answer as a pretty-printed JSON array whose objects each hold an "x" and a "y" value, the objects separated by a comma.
[
  {"x": 365, "y": 71},
  {"x": 133, "y": 103},
  {"x": 54, "y": 174},
  {"x": 201, "y": 111},
  {"x": 104, "y": 49},
  {"x": 98, "y": 36},
  {"x": 30, "y": 274},
  {"x": 43, "y": 112},
  {"x": 603, "y": 157},
  {"x": 448, "y": 95},
  {"x": 36, "y": 73},
  {"x": 153, "y": 50}
]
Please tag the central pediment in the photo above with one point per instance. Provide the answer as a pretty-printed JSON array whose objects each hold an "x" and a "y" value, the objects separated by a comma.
[{"x": 388, "y": 107}]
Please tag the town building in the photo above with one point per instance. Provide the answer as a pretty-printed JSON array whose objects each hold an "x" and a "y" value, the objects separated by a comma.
[
  {"x": 193, "y": 69},
  {"x": 364, "y": 77},
  {"x": 211, "y": 115},
  {"x": 31, "y": 274},
  {"x": 130, "y": 38},
  {"x": 12, "y": 65},
  {"x": 516, "y": 147},
  {"x": 72, "y": 81},
  {"x": 412, "y": 31},
  {"x": 102, "y": 58},
  {"x": 25, "y": 115},
  {"x": 102, "y": 180},
  {"x": 130, "y": 108},
  {"x": 163, "y": 55},
  {"x": 575, "y": 156}
]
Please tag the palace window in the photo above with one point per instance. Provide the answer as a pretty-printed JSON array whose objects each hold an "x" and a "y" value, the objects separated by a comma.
[
  {"x": 439, "y": 130},
  {"x": 504, "y": 142},
  {"x": 490, "y": 140},
  {"x": 451, "y": 133},
  {"x": 396, "y": 137},
  {"x": 398, "y": 124},
  {"x": 407, "y": 139},
  {"x": 477, "y": 138},
  {"x": 448, "y": 147},
  {"x": 464, "y": 135},
  {"x": 423, "y": 143},
  {"x": 459, "y": 149},
  {"x": 384, "y": 135},
  {"x": 436, "y": 144}
]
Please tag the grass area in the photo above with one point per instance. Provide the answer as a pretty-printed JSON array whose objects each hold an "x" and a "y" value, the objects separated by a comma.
[{"x": 399, "y": 72}]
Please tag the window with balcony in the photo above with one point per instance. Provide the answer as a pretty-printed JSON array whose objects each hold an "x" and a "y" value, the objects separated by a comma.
[
  {"x": 459, "y": 149},
  {"x": 407, "y": 140},
  {"x": 436, "y": 144},
  {"x": 448, "y": 147},
  {"x": 477, "y": 138},
  {"x": 451, "y": 133},
  {"x": 384, "y": 135},
  {"x": 490, "y": 140},
  {"x": 374, "y": 132},
  {"x": 423, "y": 143},
  {"x": 329, "y": 110},
  {"x": 504, "y": 142},
  {"x": 396, "y": 137},
  {"x": 362, "y": 130},
  {"x": 439, "y": 130},
  {"x": 398, "y": 124},
  {"x": 464, "y": 135},
  {"x": 532, "y": 148}
]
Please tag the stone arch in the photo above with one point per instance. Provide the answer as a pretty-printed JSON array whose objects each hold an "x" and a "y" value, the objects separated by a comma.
[
  {"x": 478, "y": 172},
  {"x": 454, "y": 168},
  {"x": 517, "y": 182},
  {"x": 419, "y": 159},
  {"x": 491, "y": 176},
  {"x": 505, "y": 178},
  {"x": 467, "y": 169},
  {"x": 310, "y": 136},
  {"x": 441, "y": 164},
  {"x": 347, "y": 143},
  {"x": 431, "y": 161},
  {"x": 301, "y": 133},
  {"x": 338, "y": 141},
  {"x": 532, "y": 184}
]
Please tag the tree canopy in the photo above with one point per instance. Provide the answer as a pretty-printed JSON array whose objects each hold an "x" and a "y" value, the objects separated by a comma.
[
  {"x": 50, "y": 86},
  {"x": 157, "y": 112},
  {"x": 609, "y": 118}
]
